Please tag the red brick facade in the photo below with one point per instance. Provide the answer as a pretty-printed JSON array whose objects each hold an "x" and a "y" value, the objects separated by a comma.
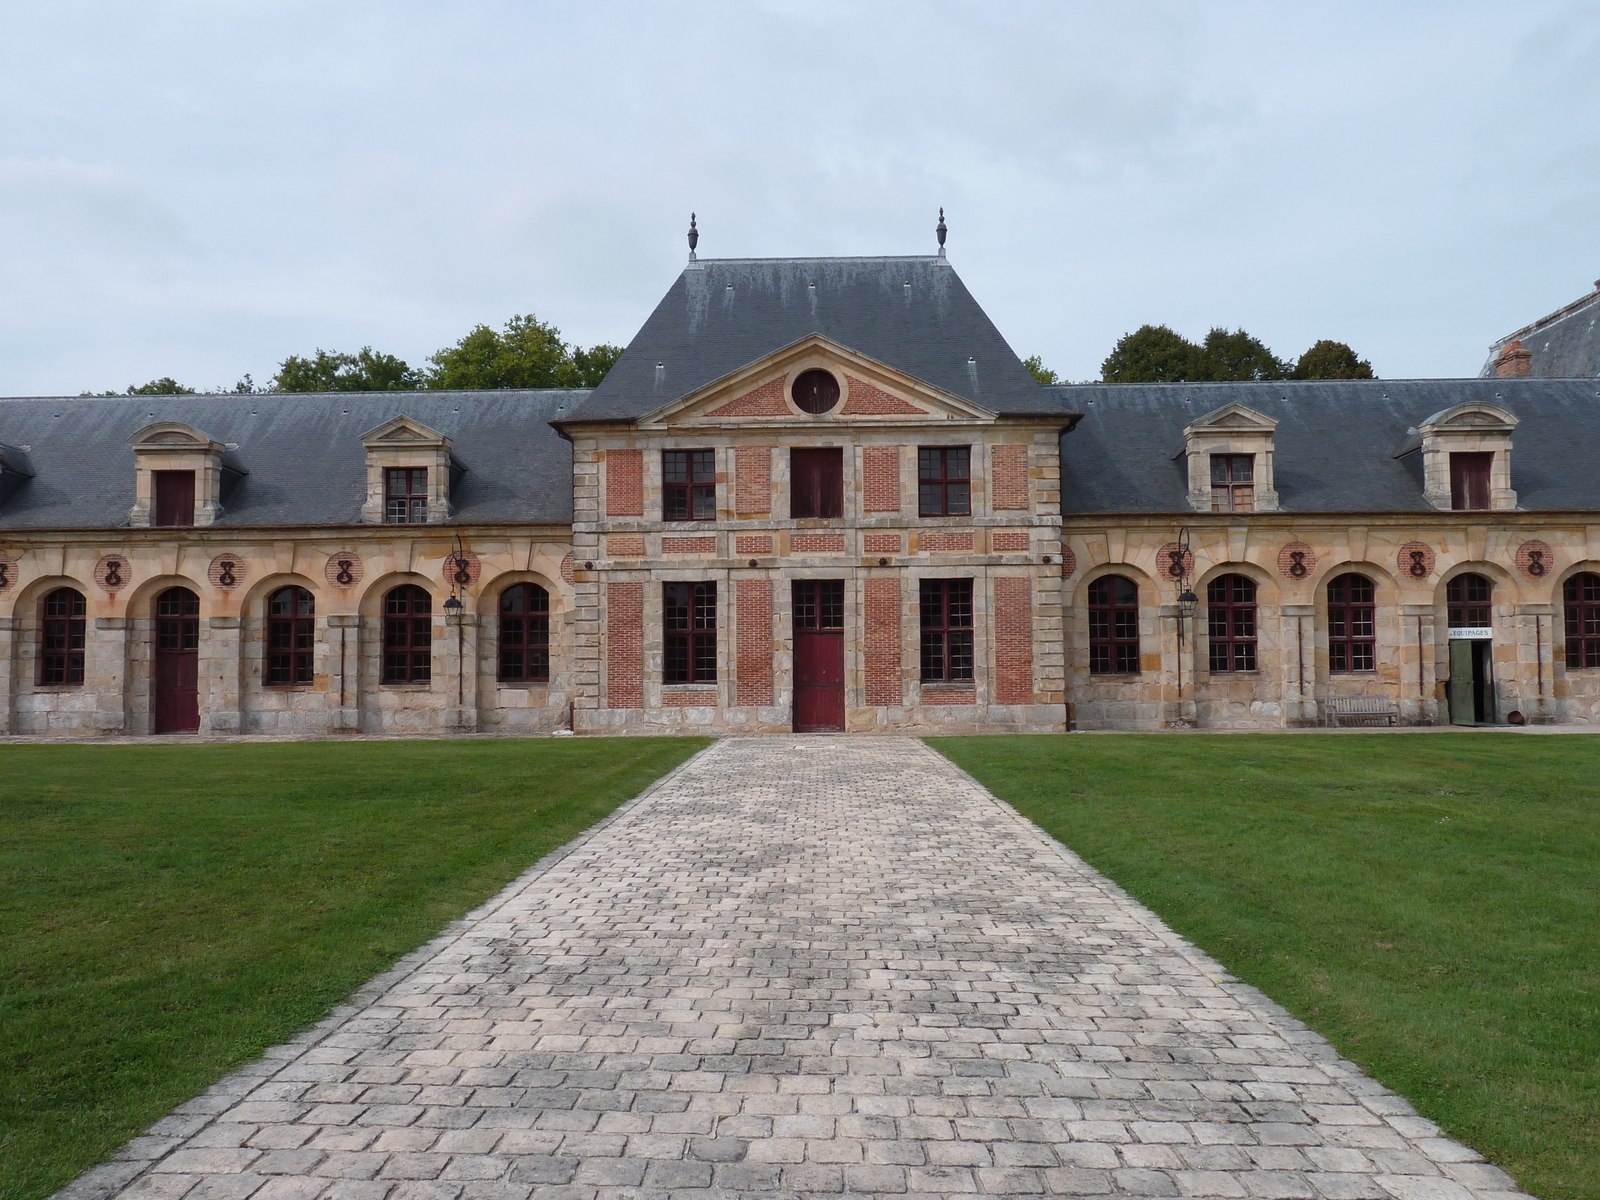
[
  {"x": 880, "y": 543},
  {"x": 625, "y": 645},
  {"x": 817, "y": 543},
  {"x": 1008, "y": 476},
  {"x": 881, "y": 640},
  {"x": 625, "y": 545},
  {"x": 880, "y": 479},
  {"x": 946, "y": 543},
  {"x": 752, "y": 671},
  {"x": 753, "y": 543},
  {"x": 764, "y": 401},
  {"x": 865, "y": 400},
  {"x": 705, "y": 544},
  {"x": 752, "y": 474},
  {"x": 1013, "y": 640},
  {"x": 1009, "y": 541},
  {"x": 625, "y": 483}
]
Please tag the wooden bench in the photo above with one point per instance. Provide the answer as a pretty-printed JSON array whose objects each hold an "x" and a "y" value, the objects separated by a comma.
[{"x": 1360, "y": 710}]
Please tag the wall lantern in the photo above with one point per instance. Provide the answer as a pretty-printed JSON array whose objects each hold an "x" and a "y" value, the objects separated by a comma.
[{"x": 1188, "y": 604}]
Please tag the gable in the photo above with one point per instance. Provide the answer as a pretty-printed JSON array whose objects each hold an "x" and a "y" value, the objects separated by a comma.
[{"x": 762, "y": 393}]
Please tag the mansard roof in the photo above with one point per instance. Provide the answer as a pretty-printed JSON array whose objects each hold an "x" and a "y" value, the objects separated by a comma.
[
  {"x": 1563, "y": 345},
  {"x": 303, "y": 453},
  {"x": 912, "y": 314},
  {"x": 1339, "y": 446}
]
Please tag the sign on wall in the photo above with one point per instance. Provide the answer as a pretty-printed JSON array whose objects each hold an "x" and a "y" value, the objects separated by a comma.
[{"x": 1473, "y": 633}]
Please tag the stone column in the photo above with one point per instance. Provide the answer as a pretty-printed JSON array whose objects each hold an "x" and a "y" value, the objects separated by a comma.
[
  {"x": 1177, "y": 666},
  {"x": 344, "y": 673},
  {"x": 8, "y": 696},
  {"x": 1299, "y": 663},
  {"x": 220, "y": 665},
  {"x": 461, "y": 677},
  {"x": 106, "y": 662}
]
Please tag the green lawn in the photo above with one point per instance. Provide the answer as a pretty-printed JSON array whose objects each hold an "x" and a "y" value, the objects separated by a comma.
[
  {"x": 168, "y": 911},
  {"x": 1430, "y": 903}
]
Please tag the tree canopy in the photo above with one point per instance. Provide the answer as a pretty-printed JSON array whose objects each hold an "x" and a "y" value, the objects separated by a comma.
[
  {"x": 1158, "y": 354},
  {"x": 165, "y": 386},
  {"x": 529, "y": 353},
  {"x": 365, "y": 371},
  {"x": 1041, "y": 373}
]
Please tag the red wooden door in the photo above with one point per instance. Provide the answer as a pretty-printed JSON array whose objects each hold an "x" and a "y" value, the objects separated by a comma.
[
  {"x": 818, "y": 655},
  {"x": 175, "y": 677}
]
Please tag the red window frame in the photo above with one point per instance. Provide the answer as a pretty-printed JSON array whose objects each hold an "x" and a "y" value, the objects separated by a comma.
[
  {"x": 944, "y": 481},
  {"x": 688, "y": 485},
  {"x": 1113, "y": 626},
  {"x": 405, "y": 492},
  {"x": 63, "y": 628},
  {"x": 1231, "y": 623},
  {"x": 1581, "y": 607},
  {"x": 1469, "y": 601},
  {"x": 291, "y": 637},
  {"x": 816, "y": 482},
  {"x": 1352, "y": 625},
  {"x": 1469, "y": 480},
  {"x": 524, "y": 634},
  {"x": 407, "y": 635},
  {"x": 689, "y": 638},
  {"x": 946, "y": 618},
  {"x": 1233, "y": 482}
]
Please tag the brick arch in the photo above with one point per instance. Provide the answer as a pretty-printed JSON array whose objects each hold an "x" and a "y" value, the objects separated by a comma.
[
  {"x": 1268, "y": 590},
  {"x": 373, "y": 591},
  {"x": 489, "y": 589},
  {"x": 254, "y": 601}
]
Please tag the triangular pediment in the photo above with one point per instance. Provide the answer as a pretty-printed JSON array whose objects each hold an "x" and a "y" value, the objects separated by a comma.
[
  {"x": 762, "y": 393},
  {"x": 1232, "y": 418},
  {"x": 403, "y": 431}
]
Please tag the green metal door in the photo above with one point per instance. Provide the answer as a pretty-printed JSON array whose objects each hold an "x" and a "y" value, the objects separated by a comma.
[{"x": 1459, "y": 689}]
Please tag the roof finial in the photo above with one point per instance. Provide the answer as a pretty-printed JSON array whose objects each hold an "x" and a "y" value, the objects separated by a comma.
[
  {"x": 694, "y": 237},
  {"x": 941, "y": 231}
]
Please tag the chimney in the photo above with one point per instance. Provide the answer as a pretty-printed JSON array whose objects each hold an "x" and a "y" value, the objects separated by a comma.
[{"x": 1514, "y": 362}]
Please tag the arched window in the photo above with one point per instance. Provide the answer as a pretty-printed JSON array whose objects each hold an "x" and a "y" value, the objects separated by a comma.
[
  {"x": 177, "y": 620},
  {"x": 1352, "y": 625},
  {"x": 61, "y": 637},
  {"x": 290, "y": 634},
  {"x": 1582, "y": 596},
  {"x": 525, "y": 634},
  {"x": 1113, "y": 626},
  {"x": 1467, "y": 602},
  {"x": 1231, "y": 617},
  {"x": 407, "y": 635}
]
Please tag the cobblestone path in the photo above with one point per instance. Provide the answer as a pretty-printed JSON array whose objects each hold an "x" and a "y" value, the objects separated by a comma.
[{"x": 802, "y": 967}]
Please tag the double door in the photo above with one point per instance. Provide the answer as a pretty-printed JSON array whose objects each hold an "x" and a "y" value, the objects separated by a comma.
[
  {"x": 818, "y": 655},
  {"x": 1471, "y": 686}
]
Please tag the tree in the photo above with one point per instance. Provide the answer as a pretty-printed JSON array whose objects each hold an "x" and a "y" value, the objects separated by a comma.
[
  {"x": 1235, "y": 355},
  {"x": 1331, "y": 360},
  {"x": 366, "y": 371},
  {"x": 1151, "y": 354},
  {"x": 1041, "y": 373},
  {"x": 165, "y": 386},
  {"x": 528, "y": 353}
]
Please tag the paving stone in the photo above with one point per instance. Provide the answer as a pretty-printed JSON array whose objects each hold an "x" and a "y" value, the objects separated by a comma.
[{"x": 810, "y": 967}]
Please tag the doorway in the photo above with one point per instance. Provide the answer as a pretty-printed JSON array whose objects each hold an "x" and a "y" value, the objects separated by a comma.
[
  {"x": 1471, "y": 686},
  {"x": 175, "y": 675},
  {"x": 818, "y": 655}
]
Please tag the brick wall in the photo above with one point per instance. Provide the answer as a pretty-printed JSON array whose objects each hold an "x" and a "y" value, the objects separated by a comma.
[
  {"x": 881, "y": 640},
  {"x": 880, "y": 543},
  {"x": 625, "y": 545},
  {"x": 625, "y": 645},
  {"x": 946, "y": 543},
  {"x": 1008, "y": 476},
  {"x": 1013, "y": 641},
  {"x": 625, "y": 483},
  {"x": 703, "y": 544},
  {"x": 817, "y": 543},
  {"x": 752, "y": 670},
  {"x": 880, "y": 478},
  {"x": 764, "y": 401},
  {"x": 752, "y": 474},
  {"x": 1008, "y": 541},
  {"x": 753, "y": 543},
  {"x": 867, "y": 400}
]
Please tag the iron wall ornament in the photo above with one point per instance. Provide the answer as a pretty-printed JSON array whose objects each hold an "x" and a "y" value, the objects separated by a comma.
[
  {"x": 1415, "y": 560},
  {"x": 1175, "y": 560},
  {"x": 1296, "y": 560},
  {"x": 9, "y": 569},
  {"x": 1535, "y": 559},
  {"x": 344, "y": 569},
  {"x": 461, "y": 569},
  {"x": 113, "y": 572},
  {"x": 226, "y": 571}
]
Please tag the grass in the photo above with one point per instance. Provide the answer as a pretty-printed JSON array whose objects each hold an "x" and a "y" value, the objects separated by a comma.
[
  {"x": 166, "y": 912},
  {"x": 1427, "y": 902}
]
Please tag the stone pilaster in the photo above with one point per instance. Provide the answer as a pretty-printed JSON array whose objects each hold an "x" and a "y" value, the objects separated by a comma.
[
  {"x": 344, "y": 672},
  {"x": 220, "y": 665}
]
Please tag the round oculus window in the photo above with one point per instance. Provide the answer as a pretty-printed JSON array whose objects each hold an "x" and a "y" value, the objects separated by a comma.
[{"x": 816, "y": 390}]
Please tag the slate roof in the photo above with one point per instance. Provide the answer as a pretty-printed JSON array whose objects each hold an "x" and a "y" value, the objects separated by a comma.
[
  {"x": 303, "y": 454},
  {"x": 1336, "y": 442},
  {"x": 912, "y": 313},
  {"x": 1564, "y": 345}
]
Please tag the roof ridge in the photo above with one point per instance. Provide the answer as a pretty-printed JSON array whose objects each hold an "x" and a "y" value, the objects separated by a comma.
[{"x": 1566, "y": 310}]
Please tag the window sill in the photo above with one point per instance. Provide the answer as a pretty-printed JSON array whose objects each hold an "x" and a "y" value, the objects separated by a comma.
[
  {"x": 406, "y": 687},
  {"x": 56, "y": 687},
  {"x": 947, "y": 685},
  {"x": 1115, "y": 674},
  {"x": 521, "y": 684},
  {"x": 690, "y": 687},
  {"x": 1212, "y": 674},
  {"x": 289, "y": 687},
  {"x": 1372, "y": 674}
]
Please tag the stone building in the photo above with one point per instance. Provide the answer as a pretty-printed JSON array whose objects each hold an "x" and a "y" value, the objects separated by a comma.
[{"x": 813, "y": 494}]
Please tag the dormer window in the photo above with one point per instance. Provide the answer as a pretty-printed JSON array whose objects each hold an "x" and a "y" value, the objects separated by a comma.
[
  {"x": 1228, "y": 454},
  {"x": 180, "y": 475},
  {"x": 174, "y": 497},
  {"x": 409, "y": 474},
  {"x": 1233, "y": 487},
  {"x": 406, "y": 490},
  {"x": 1466, "y": 458}
]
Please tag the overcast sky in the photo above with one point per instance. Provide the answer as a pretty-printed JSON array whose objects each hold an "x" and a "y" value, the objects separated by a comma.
[{"x": 201, "y": 188}]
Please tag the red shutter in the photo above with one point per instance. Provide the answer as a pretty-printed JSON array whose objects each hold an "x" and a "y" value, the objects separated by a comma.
[
  {"x": 174, "y": 497},
  {"x": 816, "y": 483},
  {"x": 1469, "y": 480}
]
